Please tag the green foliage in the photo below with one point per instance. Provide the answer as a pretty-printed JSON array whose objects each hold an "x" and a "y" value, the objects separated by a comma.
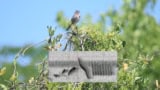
[
  {"x": 133, "y": 33},
  {"x": 63, "y": 22},
  {"x": 11, "y": 81}
]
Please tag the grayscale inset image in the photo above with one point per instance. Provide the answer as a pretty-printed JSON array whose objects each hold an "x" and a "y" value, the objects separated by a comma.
[{"x": 83, "y": 66}]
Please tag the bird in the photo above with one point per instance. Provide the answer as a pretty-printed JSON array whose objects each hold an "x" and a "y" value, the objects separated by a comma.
[{"x": 75, "y": 18}]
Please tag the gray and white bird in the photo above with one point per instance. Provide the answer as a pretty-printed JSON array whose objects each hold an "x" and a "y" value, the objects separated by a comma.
[{"x": 75, "y": 18}]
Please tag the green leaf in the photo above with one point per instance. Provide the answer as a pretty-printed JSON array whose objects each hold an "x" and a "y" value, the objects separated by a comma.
[
  {"x": 3, "y": 87},
  {"x": 137, "y": 78},
  {"x": 50, "y": 31},
  {"x": 123, "y": 43}
]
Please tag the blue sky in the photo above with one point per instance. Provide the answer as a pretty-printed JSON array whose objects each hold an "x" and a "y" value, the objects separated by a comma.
[{"x": 25, "y": 21}]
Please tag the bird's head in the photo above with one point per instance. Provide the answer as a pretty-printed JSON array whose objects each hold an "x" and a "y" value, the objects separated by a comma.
[{"x": 77, "y": 12}]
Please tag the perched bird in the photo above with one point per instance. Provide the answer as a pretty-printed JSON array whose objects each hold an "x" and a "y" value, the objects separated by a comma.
[{"x": 75, "y": 18}]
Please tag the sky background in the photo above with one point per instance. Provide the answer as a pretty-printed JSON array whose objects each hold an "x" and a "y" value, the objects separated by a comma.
[{"x": 25, "y": 21}]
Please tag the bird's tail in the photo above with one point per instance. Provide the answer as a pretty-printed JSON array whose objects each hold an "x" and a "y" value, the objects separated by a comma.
[{"x": 69, "y": 27}]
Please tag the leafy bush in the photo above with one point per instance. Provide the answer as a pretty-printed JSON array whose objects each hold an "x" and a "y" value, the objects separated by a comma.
[{"x": 133, "y": 33}]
